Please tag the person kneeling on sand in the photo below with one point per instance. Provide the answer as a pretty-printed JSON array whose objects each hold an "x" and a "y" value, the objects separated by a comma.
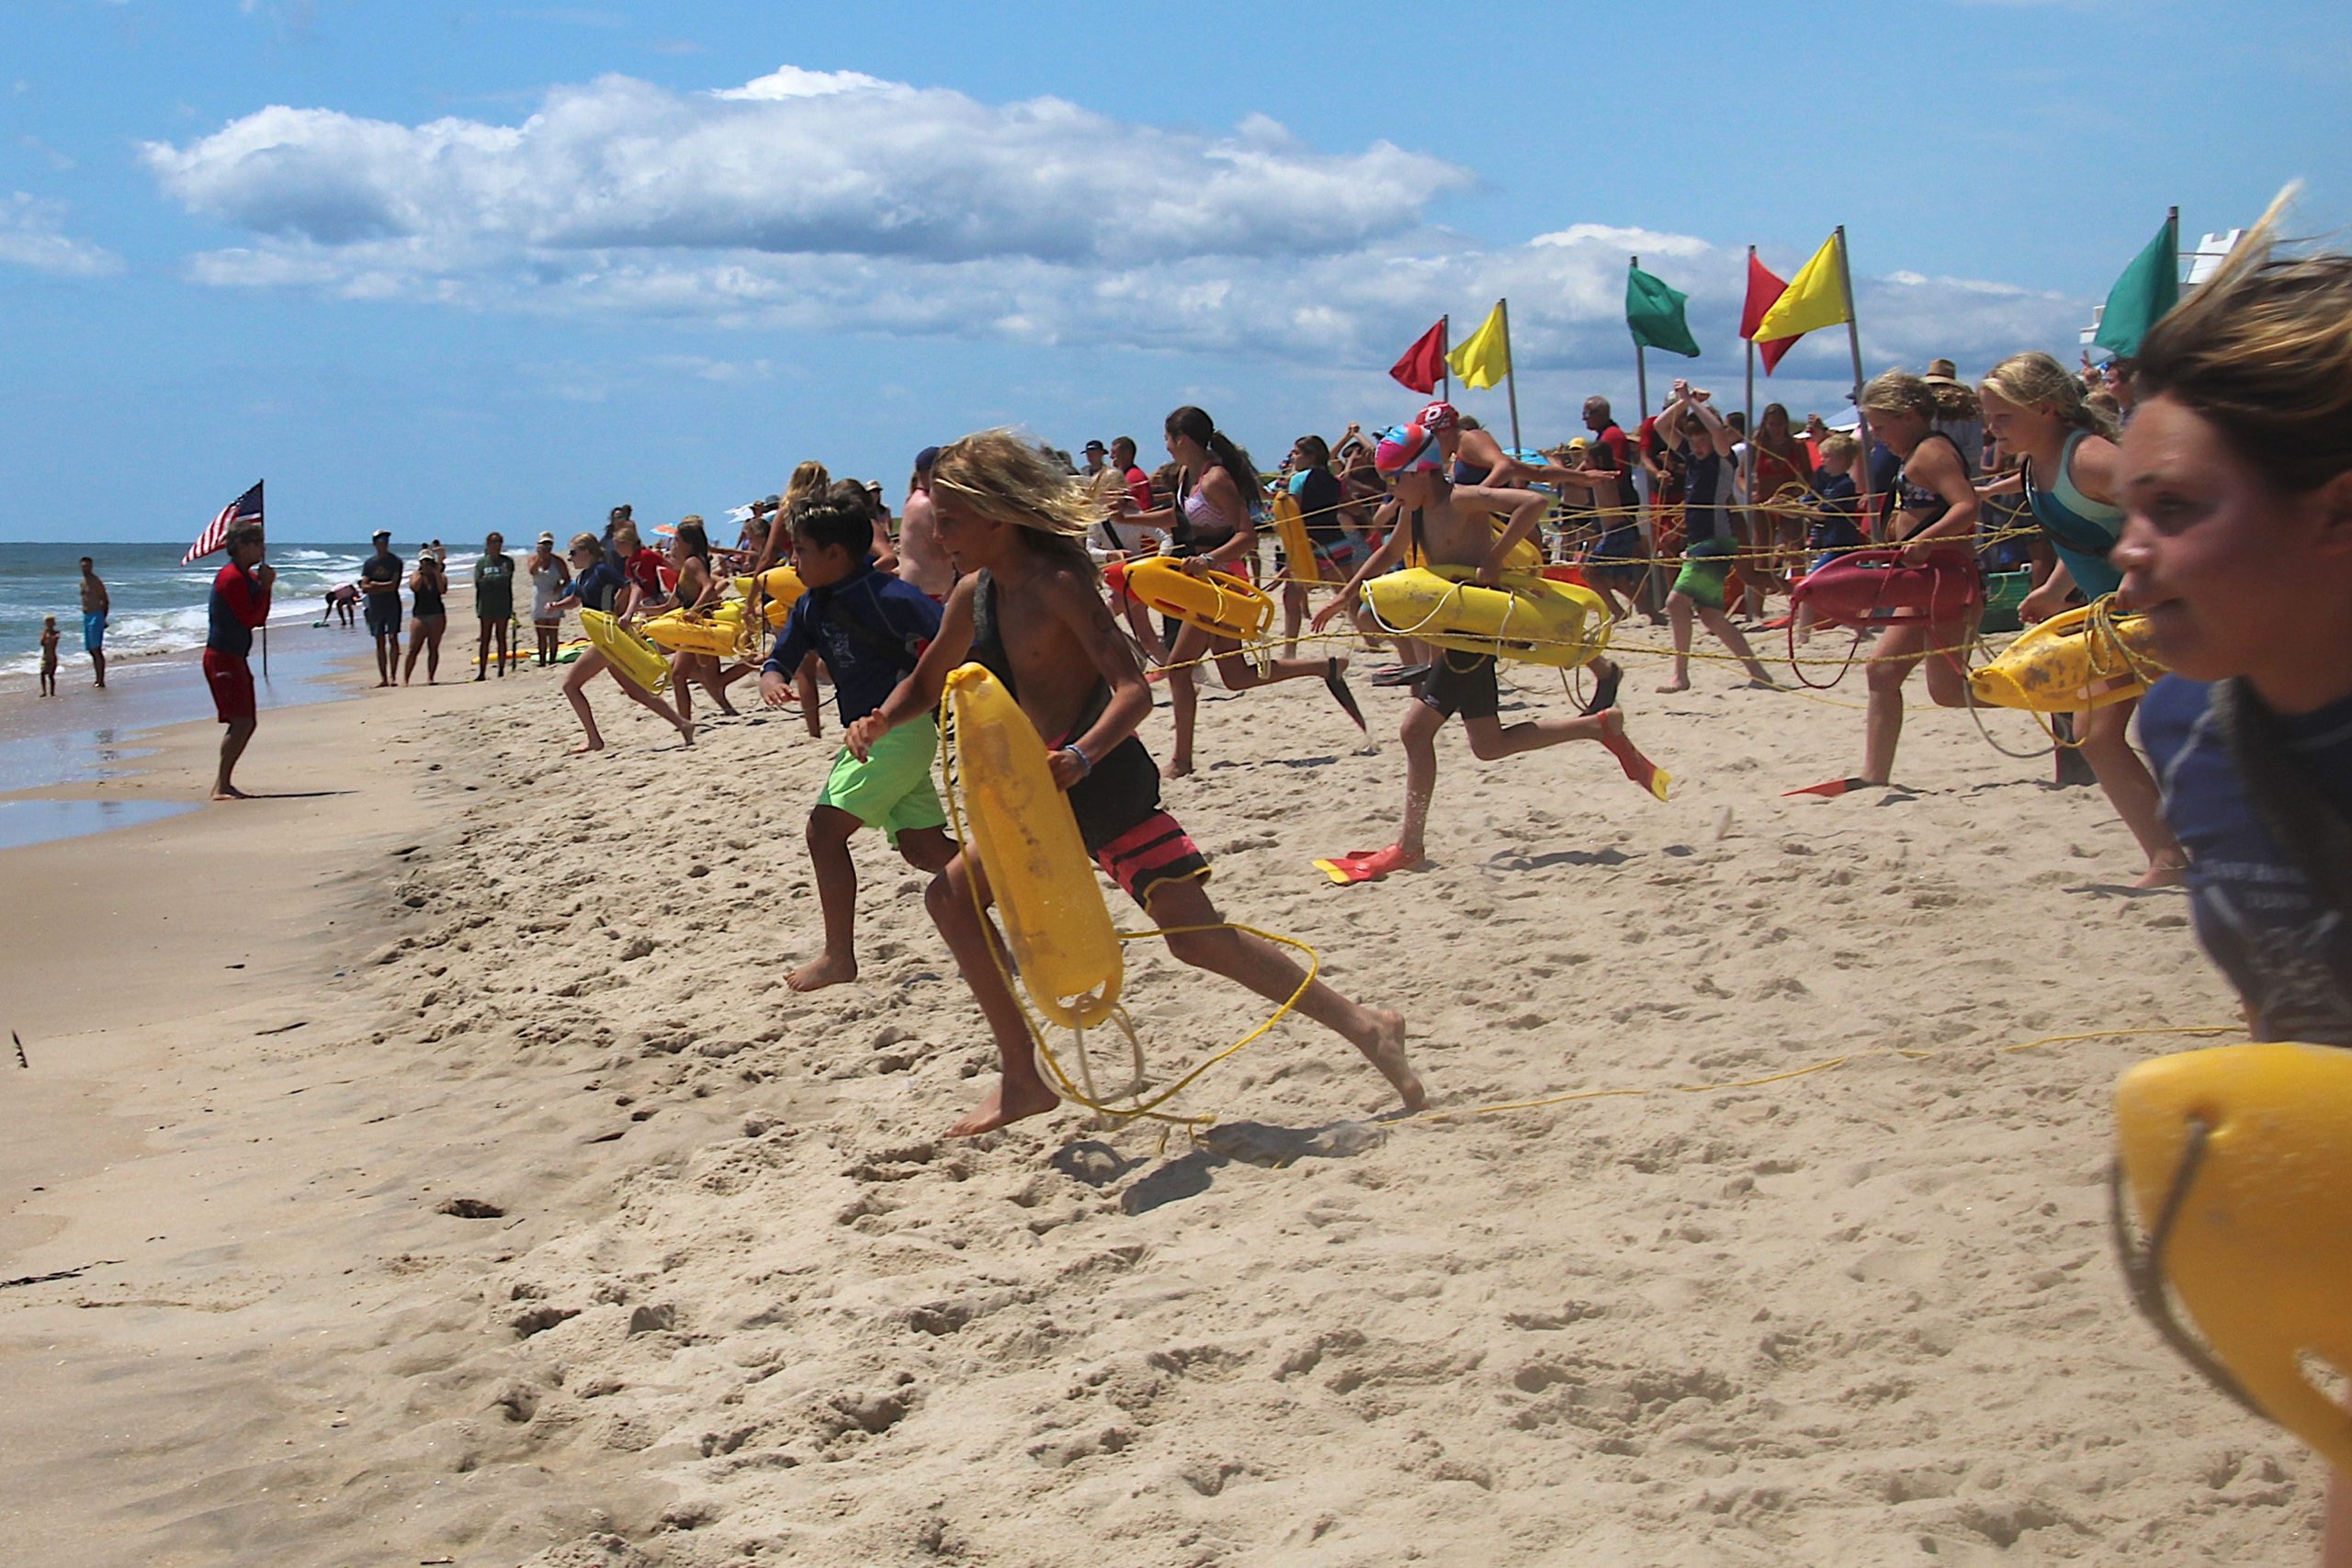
[
  {"x": 1030, "y": 608},
  {"x": 868, "y": 627},
  {"x": 1449, "y": 524}
]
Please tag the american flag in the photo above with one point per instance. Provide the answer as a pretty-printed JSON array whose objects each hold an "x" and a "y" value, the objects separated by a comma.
[{"x": 246, "y": 508}]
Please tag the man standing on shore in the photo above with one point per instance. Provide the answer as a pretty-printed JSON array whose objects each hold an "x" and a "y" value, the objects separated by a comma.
[
  {"x": 379, "y": 580},
  {"x": 240, "y": 602},
  {"x": 96, "y": 607}
]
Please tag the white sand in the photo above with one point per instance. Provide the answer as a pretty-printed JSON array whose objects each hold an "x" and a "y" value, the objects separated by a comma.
[{"x": 742, "y": 1305}]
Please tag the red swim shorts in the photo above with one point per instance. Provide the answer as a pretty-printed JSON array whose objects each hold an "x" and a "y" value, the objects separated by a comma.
[{"x": 231, "y": 680}]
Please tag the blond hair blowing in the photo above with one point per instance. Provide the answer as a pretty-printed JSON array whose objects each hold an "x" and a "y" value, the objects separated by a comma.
[
  {"x": 1899, "y": 391},
  {"x": 2034, "y": 379},
  {"x": 998, "y": 475},
  {"x": 808, "y": 482},
  {"x": 2264, "y": 350}
]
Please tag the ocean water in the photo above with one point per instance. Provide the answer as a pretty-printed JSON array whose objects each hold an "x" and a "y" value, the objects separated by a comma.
[{"x": 159, "y": 605}]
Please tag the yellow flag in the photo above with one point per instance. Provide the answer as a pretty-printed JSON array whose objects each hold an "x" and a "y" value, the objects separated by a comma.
[
  {"x": 1815, "y": 298},
  {"x": 1484, "y": 357}
]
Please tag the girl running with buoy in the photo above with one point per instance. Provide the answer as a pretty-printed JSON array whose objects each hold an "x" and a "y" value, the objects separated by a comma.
[
  {"x": 1210, "y": 528},
  {"x": 2034, "y": 409},
  {"x": 1030, "y": 608},
  {"x": 607, "y": 585},
  {"x": 1930, "y": 516}
]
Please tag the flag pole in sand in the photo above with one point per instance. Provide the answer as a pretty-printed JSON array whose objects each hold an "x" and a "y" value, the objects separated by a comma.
[
  {"x": 1510, "y": 374},
  {"x": 1854, "y": 343}
]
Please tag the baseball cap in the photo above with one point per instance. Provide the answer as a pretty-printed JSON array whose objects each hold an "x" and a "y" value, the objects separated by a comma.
[
  {"x": 1438, "y": 418},
  {"x": 381, "y": 533},
  {"x": 1094, "y": 447},
  {"x": 926, "y": 458}
]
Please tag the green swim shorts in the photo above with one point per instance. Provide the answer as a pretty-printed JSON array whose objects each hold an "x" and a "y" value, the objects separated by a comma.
[
  {"x": 891, "y": 789},
  {"x": 1705, "y": 565}
]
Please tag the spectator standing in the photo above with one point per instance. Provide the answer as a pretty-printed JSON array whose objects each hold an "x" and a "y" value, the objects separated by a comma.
[
  {"x": 428, "y": 616},
  {"x": 239, "y": 603},
  {"x": 493, "y": 603},
  {"x": 95, "y": 607},
  {"x": 379, "y": 580},
  {"x": 549, "y": 580}
]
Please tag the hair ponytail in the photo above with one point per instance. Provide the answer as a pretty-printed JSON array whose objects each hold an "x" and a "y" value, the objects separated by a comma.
[{"x": 2034, "y": 379}]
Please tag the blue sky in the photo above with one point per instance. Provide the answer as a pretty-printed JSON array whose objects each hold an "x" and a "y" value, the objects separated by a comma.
[{"x": 448, "y": 266}]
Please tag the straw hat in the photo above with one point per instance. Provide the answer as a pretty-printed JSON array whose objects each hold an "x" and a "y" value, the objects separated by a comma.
[{"x": 1943, "y": 370}]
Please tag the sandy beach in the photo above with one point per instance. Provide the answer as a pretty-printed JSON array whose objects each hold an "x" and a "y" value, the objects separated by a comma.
[{"x": 431, "y": 1167}]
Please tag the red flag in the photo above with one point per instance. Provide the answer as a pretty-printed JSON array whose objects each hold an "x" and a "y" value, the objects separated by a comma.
[
  {"x": 1764, "y": 291},
  {"x": 1424, "y": 362}
]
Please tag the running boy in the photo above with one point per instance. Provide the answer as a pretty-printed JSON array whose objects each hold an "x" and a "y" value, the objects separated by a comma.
[
  {"x": 868, "y": 627},
  {"x": 1449, "y": 523},
  {"x": 1030, "y": 607}
]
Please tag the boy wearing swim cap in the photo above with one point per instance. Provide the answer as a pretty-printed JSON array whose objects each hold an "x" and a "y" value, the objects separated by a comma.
[
  {"x": 1030, "y": 608},
  {"x": 1447, "y": 525}
]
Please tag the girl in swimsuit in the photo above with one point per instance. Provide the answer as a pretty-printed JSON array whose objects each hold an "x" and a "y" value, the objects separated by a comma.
[
  {"x": 2235, "y": 476},
  {"x": 429, "y": 618},
  {"x": 607, "y": 585},
  {"x": 697, "y": 590},
  {"x": 1931, "y": 514},
  {"x": 1210, "y": 528},
  {"x": 2034, "y": 409},
  {"x": 1030, "y": 608}
]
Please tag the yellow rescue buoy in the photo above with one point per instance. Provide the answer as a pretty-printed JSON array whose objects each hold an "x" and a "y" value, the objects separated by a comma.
[
  {"x": 1530, "y": 618},
  {"x": 2085, "y": 657},
  {"x": 632, "y": 657},
  {"x": 717, "y": 633},
  {"x": 1218, "y": 603},
  {"x": 2237, "y": 1160},
  {"x": 1298, "y": 547},
  {"x": 1064, "y": 946},
  {"x": 782, "y": 587}
]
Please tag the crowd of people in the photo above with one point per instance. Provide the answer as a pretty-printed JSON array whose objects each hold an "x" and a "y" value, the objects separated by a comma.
[{"x": 1000, "y": 549}]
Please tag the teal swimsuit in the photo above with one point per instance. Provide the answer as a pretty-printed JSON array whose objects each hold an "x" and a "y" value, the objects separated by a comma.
[{"x": 2081, "y": 530}]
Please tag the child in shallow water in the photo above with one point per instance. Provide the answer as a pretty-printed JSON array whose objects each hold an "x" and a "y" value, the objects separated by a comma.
[
  {"x": 48, "y": 656},
  {"x": 1030, "y": 607}
]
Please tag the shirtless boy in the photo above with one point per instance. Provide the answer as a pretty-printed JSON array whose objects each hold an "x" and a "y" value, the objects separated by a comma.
[
  {"x": 1449, "y": 523},
  {"x": 1030, "y": 607}
]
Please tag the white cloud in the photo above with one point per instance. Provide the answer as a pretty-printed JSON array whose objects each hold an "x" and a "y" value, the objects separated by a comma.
[
  {"x": 31, "y": 234},
  {"x": 834, "y": 201},
  {"x": 795, "y": 162}
]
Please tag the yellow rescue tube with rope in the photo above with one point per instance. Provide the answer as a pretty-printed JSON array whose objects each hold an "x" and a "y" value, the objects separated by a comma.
[
  {"x": 632, "y": 657},
  {"x": 717, "y": 633},
  {"x": 1298, "y": 547},
  {"x": 1218, "y": 603},
  {"x": 1064, "y": 946},
  {"x": 2236, "y": 1161},
  {"x": 1529, "y": 619},
  {"x": 782, "y": 587},
  {"x": 2088, "y": 657}
]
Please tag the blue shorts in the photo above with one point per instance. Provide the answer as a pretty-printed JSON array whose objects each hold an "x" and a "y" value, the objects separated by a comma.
[
  {"x": 94, "y": 632},
  {"x": 384, "y": 613}
]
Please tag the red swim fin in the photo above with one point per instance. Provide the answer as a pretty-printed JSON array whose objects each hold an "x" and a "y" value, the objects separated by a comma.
[{"x": 1829, "y": 789}]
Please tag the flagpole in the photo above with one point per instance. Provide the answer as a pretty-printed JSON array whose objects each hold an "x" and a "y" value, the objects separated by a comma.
[
  {"x": 1748, "y": 478},
  {"x": 1854, "y": 343},
  {"x": 1510, "y": 376},
  {"x": 1444, "y": 367},
  {"x": 1641, "y": 362}
]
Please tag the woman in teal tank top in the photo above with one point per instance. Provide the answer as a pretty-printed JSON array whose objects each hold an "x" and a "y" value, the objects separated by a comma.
[{"x": 2034, "y": 409}]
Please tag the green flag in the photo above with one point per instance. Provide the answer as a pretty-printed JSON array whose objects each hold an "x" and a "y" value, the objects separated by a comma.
[
  {"x": 2149, "y": 287},
  {"x": 1654, "y": 311}
]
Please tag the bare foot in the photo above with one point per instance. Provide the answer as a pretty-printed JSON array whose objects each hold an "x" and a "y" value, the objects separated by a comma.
[
  {"x": 587, "y": 747},
  {"x": 1683, "y": 684},
  {"x": 1173, "y": 769},
  {"x": 229, "y": 792},
  {"x": 2162, "y": 873},
  {"x": 1002, "y": 1108},
  {"x": 686, "y": 732},
  {"x": 820, "y": 972},
  {"x": 1385, "y": 1048}
]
